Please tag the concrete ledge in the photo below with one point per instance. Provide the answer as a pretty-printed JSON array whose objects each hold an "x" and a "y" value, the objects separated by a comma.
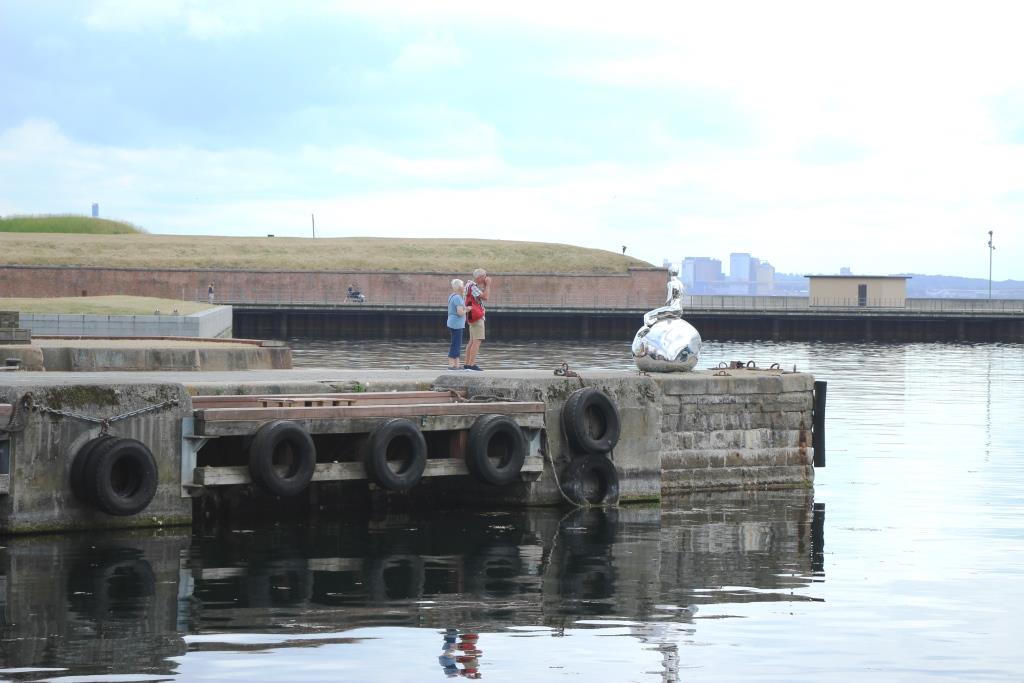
[
  {"x": 142, "y": 355},
  {"x": 211, "y": 323}
]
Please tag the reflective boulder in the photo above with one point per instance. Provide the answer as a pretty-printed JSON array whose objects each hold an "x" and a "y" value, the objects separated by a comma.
[{"x": 666, "y": 342}]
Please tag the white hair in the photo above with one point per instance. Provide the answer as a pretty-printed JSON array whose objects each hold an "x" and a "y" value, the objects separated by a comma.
[
  {"x": 478, "y": 272},
  {"x": 457, "y": 283}
]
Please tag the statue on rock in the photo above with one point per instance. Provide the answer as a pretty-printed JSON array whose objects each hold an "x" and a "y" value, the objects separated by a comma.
[{"x": 666, "y": 342}]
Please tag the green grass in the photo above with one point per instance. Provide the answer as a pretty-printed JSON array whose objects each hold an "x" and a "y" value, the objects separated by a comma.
[
  {"x": 102, "y": 305},
  {"x": 358, "y": 254},
  {"x": 67, "y": 223}
]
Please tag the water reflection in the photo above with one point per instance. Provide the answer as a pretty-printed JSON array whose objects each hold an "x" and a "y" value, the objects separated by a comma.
[
  {"x": 91, "y": 604},
  {"x": 138, "y": 603},
  {"x": 460, "y": 654}
]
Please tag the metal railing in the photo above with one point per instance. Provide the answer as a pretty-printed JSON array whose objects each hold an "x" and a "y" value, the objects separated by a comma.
[
  {"x": 802, "y": 303},
  {"x": 617, "y": 301}
]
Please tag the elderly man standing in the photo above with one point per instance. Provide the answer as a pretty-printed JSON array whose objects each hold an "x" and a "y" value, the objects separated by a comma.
[{"x": 476, "y": 293}]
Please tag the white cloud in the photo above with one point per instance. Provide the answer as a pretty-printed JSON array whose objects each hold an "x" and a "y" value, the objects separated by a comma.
[
  {"x": 196, "y": 18},
  {"x": 877, "y": 214},
  {"x": 875, "y": 133},
  {"x": 427, "y": 55}
]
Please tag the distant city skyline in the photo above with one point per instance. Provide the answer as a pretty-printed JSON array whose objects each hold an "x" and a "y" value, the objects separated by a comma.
[
  {"x": 749, "y": 275},
  {"x": 886, "y": 138}
]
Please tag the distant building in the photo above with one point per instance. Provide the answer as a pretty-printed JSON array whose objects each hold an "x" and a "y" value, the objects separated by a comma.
[
  {"x": 739, "y": 267},
  {"x": 701, "y": 274},
  {"x": 749, "y": 276},
  {"x": 764, "y": 279},
  {"x": 95, "y": 210},
  {"x": 870, "y": 291}
]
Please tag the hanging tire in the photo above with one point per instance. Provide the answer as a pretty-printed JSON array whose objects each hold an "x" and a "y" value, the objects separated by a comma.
[
  {"x": 396, "y": 455},
  {"x": 591, "y": 421},
  {"x": 591, "y": 480},
  {"x": 496, "y": 450},
  {"x": 121, "y": 476},
  {"x": 79, "y": 464},
  {"x": 282, "y": 458}
]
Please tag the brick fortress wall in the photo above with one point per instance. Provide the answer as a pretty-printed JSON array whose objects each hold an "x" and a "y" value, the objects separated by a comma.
[{"x": 638, "y": 288}]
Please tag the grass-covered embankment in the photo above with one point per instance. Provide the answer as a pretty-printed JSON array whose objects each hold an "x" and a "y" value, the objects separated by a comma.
[
  {"x": 304, "y": 254},
  {"x": 67, "y": 223}
]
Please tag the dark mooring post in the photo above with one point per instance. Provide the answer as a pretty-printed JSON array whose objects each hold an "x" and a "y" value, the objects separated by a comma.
[{"x": 818, "y": 423}]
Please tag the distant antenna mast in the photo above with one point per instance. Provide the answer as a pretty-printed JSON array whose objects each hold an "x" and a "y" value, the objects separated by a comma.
[
  {"x": 313, "y": 218},
  {"x": 991, "y": 248}
]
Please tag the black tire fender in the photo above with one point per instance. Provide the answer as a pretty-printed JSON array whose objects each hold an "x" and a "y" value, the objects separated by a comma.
[
  {"x": 396, "y": 454},
  {"x": 591, "y": 480},
  {"x": 78, "y": 467},
  {"x": 282, "y": 458},
  {"x": 121, "y": 476},
  {"x": 591, "y": 421},
  {"x": 496, "y": 450}
]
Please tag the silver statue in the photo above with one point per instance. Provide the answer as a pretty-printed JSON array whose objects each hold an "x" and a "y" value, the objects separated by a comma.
[{"x": 666, "y": 342}]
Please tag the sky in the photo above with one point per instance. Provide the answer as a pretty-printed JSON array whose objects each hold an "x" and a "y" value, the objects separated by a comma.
[{"x": 887, "y": 137}]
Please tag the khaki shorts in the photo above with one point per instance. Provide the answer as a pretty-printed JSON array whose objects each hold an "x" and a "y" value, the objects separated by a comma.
[{"x": 476, "y": 330}]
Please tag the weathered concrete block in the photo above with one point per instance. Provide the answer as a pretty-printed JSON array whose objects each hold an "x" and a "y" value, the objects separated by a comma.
[{"x": 42, "y": 454}]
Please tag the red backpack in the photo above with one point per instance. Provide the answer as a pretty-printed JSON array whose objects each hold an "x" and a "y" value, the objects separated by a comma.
[{"x": 474, "y": 309}]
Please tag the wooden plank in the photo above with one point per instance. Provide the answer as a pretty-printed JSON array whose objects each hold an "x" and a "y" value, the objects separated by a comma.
[
  {"x": 413, "y": 410},
  {"x": 336, "y": 564},
  {"x": 427, "y": 423},
  {"x": 256, "y": 400},
  {"x": 343, "y": 471},
  {"x": 6, "y": 409}
]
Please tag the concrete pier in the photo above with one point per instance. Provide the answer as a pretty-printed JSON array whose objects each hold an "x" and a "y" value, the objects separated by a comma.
[
  {"x": 700, "y": 431},
  {"x": 120, "y": 354}
]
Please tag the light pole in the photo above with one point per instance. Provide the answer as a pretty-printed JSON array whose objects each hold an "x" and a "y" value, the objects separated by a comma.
[{"x": 991, "y": 248}]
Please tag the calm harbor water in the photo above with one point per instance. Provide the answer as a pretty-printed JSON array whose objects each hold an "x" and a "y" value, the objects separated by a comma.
[{"x": 905, "y": 563}]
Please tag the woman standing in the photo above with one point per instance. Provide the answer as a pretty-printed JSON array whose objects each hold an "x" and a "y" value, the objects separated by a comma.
[{"x": 456, "y": 323}]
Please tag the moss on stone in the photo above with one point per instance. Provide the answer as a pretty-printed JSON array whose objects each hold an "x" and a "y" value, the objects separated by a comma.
[{"x": 80, "y": 396}]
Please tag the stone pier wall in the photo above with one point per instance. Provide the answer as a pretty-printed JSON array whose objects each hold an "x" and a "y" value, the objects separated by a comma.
[
  {"x": 636, "y": 288},
  {"x": 743, "y": 429}
]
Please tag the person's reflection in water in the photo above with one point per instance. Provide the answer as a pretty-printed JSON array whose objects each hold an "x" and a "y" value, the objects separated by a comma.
[
  {"x": 448, "y": 654},
  {"x": 460, "y": 648}
]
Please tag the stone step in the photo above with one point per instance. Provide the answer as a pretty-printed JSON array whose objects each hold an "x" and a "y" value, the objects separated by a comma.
[{"x": 15, "y": 336}]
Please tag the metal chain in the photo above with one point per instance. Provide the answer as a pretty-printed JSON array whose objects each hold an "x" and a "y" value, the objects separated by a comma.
[
  {"x": 104, "y": 422},
  {"x": 564, "y": 371},
  {"x": 23, "y": 406}
]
